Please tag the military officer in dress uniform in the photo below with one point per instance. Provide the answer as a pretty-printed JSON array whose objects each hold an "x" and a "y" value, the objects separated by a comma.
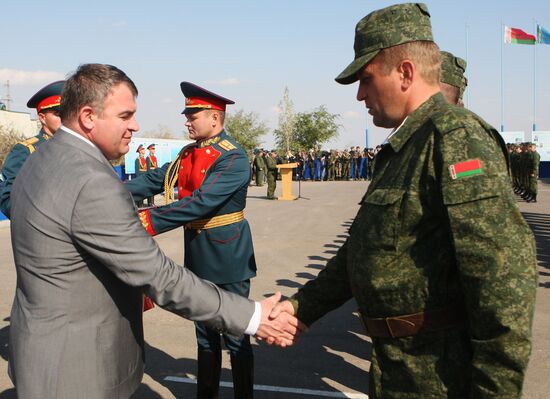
[
  {"x": 439, "y": 258},
  {"x": 212, "y": 177},
  {"x": 140, "y": 167},
  {"x": 152, "y": 164},
  {"x": 46, "y": 101},
  {"x": 452, "y": 81}
]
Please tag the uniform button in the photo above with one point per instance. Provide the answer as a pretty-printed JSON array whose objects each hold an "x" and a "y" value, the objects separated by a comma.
[
  {"x": 203, "y": 171},
  {"x": 208, "y": 151},
  {"x": 185, "y": 153},
  {"x": 181, "y": 167}
]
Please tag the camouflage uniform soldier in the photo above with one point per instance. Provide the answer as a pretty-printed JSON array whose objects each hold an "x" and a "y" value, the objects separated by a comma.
[
  {"x": 331, "y": 165},
  {"x": 524, "y": 162},
  {"x": 338, "y": 165},
  {"x": 259, "y": 167},
  {"x": 533, "y": 174},
  {"x": 452, "y": 81},
  {"x": 439, "y": 259},
  {"x": 346, "y": 157},
  {"x": 271, "y": 168}
]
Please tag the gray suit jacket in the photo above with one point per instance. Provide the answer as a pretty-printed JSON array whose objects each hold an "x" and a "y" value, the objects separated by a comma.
[{"x": 83, "y": 260}]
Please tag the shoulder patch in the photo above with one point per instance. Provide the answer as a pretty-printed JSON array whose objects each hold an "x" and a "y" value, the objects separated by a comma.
[
  {"x": 226, "y": 145},
  {"x": 467, "y": 168},
  {"x": 29, "y": 143}
]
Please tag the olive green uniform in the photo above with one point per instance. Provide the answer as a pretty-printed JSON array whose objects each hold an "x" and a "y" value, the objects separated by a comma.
[
  {"x": 425, "y": 238},
  {"x": 259, "y": 167},
  {"x": 271, "y": 167},
  {"x": 533, "y": 173}
]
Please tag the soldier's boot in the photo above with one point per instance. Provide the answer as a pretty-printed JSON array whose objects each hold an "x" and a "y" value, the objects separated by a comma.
[
  {"x": 242, "y": 368},
  {"x": 534, "y": 198},
  {"x": 208, "y": 374}
]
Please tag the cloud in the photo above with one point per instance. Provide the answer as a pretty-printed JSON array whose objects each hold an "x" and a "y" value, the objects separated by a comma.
[
  {"x": 226, "y": 82},
  {"x": 18, "y": 77},
  {"x": 167, "y": 100},
  {"x": 352, "y": 115}
]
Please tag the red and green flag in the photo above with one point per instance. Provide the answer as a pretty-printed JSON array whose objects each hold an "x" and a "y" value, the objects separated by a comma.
[
  {"x": 467, "y": 168},
  {"x": 517, "y": 36}
]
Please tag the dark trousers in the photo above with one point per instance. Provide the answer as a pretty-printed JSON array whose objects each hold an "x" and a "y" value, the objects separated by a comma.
[{"x": 209, "y": 355}]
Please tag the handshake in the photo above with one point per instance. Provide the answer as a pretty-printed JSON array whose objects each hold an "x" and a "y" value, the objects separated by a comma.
[{"x": 278, "y": 325}]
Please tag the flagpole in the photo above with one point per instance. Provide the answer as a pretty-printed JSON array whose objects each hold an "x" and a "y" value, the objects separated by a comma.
[
  {"x": 467, "y": 69},
  {"x": 501, "y": 78},
  {"x": 535, "y": 80}
]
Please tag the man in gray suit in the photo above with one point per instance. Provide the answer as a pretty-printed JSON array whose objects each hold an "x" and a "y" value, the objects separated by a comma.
[{"x": 84, "y": 260}]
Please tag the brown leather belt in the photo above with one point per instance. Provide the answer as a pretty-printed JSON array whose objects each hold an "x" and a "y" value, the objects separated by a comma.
[
  {"x": 216, "y": 221},
  {"x": 416, "y": 323}
]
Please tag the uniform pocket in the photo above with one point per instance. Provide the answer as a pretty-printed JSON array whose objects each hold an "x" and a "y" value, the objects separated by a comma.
[
  {"x": 224, "y": 234},
  {"x": 376, "y": 226}
]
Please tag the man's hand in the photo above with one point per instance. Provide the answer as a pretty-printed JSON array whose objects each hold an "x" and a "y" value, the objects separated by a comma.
[{"x": 281, "y": 330}]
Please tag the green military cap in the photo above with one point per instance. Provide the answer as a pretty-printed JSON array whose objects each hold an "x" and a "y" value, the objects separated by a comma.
[
  {"x": 388, "y": 27},
  {"x": 452, "y": 71}
]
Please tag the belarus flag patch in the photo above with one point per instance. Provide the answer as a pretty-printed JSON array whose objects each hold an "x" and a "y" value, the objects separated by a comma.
[{"x": 467, "y": 168}]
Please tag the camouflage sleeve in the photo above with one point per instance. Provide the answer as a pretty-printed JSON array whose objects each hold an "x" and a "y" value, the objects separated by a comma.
[
  {"x": 330, "y": 290},
  {"x": 495, "y": 256},
  {"x": 13, "y": 162}
]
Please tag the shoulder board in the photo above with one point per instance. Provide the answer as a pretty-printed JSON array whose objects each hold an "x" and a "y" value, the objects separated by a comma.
[
  {"x": 226, "y": 145},
  {"x": 29, "y": 143}
]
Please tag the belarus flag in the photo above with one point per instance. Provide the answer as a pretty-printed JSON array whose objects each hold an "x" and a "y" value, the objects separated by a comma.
[{"x": 517, "y": 36}]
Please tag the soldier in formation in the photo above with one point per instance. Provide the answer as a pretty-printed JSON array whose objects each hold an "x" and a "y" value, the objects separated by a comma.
[{"x": 524, "y": 163}]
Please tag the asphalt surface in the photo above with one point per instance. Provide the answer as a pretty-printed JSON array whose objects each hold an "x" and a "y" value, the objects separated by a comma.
[{"x": 292, "y": 240}]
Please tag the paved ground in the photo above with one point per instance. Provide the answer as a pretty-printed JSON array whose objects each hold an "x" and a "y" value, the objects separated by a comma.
[{"x": 292, "y": 240}]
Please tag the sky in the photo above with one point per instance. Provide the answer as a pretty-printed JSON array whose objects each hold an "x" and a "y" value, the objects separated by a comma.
[{"x": 250, "y": 51}]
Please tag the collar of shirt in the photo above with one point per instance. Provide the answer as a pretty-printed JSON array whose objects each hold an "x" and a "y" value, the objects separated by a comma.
[
  {"x": 394, "y": 131},
  {"x": 414, "y": 121},
  {"x": 73, "y": 133}
]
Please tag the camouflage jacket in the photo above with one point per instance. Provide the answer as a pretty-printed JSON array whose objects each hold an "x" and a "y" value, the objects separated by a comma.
[{"x": 432, "y": 232}]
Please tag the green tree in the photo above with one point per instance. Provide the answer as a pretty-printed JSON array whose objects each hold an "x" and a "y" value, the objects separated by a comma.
[
  {"x": 312, "y": 129},
  {"x": 246, "y": 129},
  {"x": 284, "y": 134},
  {"x": 8, "y": 138}
]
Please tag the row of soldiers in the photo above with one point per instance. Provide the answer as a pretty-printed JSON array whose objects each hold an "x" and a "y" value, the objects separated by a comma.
[
  {"x": 318, "y": 165},
  {"x": 524, "y": 164},
  {"x": 352, "y": 164}
]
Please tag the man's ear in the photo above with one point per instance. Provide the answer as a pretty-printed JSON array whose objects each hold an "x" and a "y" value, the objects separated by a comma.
[
  {"x": 215, "y": 119},
  {"x": 42, "y": 118},
  {"x": 87, "y": 117},
  {"x": 407, "y": 72}
]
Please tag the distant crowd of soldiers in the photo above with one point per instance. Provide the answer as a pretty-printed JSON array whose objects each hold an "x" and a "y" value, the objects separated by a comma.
[
  {"x": 524, "y": 163},
  {"x": 319, "y": 165}
]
